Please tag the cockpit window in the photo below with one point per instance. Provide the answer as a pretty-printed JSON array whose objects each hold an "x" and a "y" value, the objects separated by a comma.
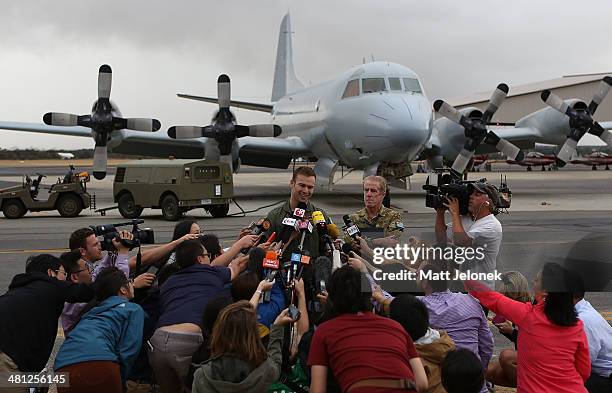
[
  {"x": 395, "y": 84},
  {"x": 372, "y": 85},
  {"x": 352, "y": 89},
  {"x": 412, "y": 85}
]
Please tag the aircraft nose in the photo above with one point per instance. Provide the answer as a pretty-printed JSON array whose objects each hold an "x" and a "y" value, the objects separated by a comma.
[{"x": 411, "y": 125}]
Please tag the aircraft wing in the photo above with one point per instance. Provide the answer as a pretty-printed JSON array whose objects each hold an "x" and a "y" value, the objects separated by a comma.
[
  {"x": 238, "y": 104},
  {"x": 523, "y": 137},
  {"x": 158, "y": 144},
  {"x": 272, "y": 152},
  {"x": 45, "y": 129}
]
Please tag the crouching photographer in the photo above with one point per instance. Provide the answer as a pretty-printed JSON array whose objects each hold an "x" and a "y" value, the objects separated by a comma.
[{"x": 473, "y": 225}]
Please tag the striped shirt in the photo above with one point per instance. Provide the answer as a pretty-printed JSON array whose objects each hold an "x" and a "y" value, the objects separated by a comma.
[{"x": 462, "y": 317}]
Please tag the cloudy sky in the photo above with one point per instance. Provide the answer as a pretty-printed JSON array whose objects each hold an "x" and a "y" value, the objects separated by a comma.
[{"x": 50, "y": 51}]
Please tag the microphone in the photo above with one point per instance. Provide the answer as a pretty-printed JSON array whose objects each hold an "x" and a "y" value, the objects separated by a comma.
[
  {"x": 350, "y": 228},
  {"x": 318, "y": 219},
  {"x": 322, "y": 274},
  {"x": 290, "y": 224},
  {"x": 333, "y": 231},
  {"x": 271, "y": 264}
]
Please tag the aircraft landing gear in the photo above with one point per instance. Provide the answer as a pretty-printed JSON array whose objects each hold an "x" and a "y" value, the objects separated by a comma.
[{"x": 529, "y": 169}]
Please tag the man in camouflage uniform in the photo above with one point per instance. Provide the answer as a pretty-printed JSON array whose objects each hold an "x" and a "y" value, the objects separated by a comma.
[{"x": 375, "y": 215}]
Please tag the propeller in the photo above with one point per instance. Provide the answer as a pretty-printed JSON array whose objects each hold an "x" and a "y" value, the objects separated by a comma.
[
  {"x": 476, "y": 130},
  {"x": 580, "y": 119},
  {"x": 224, "y": 129},
  {"x": 101, "y": 121}
]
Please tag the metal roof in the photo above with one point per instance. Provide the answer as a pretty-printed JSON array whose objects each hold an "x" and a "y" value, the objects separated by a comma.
[{"x": 536, "y": 87}]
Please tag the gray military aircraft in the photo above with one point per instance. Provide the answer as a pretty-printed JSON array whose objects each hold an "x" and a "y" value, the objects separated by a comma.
[{"x": 374, "y": 116}]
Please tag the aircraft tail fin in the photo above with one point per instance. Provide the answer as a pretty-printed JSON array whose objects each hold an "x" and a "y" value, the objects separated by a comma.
[{"x": 285, "y": 80}]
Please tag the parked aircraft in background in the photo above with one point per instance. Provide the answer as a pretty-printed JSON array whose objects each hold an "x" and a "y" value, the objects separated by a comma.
[
  {"x": 594, "y": 159},
  {"x": 374, "y": 116},
  {"x": 65, "y": 156},
  {"x": 535, "y": 158}
]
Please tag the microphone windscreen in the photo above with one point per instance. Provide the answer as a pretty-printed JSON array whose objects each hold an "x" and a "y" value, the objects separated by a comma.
[
  {"x": 333, "y": 231},
  {"x": 318, "y": 217}
]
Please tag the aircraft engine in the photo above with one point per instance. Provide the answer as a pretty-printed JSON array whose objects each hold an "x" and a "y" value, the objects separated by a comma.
[
  {"x": 474, "y": 124},
  {"x": 104, "y": 121},
  {"x": 580, "y": 119},
  {"x": 224, "y": 130}
]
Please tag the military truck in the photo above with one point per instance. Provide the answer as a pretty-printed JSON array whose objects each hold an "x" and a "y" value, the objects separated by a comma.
[
  {"x": 174, "y": 186},
  {"x": 69, "y": 196}
]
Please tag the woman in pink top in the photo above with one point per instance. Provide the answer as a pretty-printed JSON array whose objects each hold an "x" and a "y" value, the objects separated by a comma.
[{"x": 553, "y": 354}]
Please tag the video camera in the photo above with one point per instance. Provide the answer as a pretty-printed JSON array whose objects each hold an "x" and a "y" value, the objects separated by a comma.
[
  {"x": 442, "y": 184},
  {"x": 110, "y": 233}
]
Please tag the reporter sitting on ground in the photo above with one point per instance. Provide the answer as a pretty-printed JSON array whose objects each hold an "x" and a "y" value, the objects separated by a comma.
[
  {"x": 365, "y": 352},
  {"x": 183, "y": 297},
  {"x": 30, "y": 310},
  {"x": 554, "y": 353},
  {"x": 462, "y": 372},
  {"x": 431, "y": 345},
  {"x": 103, "y": 345},
  {"x": 239, "y": 360},
  {"x": 503, "y": 372},
  {"x": 599, "y": 337}
]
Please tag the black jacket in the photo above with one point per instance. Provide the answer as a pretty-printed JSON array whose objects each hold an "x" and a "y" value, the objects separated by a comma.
[{"x": 29, "y": 313}]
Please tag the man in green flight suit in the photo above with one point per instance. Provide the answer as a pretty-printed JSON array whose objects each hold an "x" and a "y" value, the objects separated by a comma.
[{"x": 302, "y": 188}]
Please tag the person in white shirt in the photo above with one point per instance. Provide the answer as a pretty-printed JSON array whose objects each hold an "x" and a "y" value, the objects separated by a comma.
[
  {"x": 479, "y": 229},
  {"x": 599, "y": 337}
]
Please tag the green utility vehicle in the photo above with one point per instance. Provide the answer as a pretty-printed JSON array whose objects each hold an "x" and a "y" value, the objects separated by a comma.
[
  {"x": 174, "y": 186},
  {"x": 69, "y": 196}
]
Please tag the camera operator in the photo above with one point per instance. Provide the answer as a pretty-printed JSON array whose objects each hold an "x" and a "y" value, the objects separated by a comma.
[
  {"x": 90, "y": 248},
  {"x": 80, "y": 266},
  {"x": 478, "y": 229},
  {"x": 376, "y": 217},
  {"x": 30, "y": 311}
]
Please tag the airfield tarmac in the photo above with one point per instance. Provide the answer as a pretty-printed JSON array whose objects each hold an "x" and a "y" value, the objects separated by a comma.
[
  {"x": 553, "y": 215},
  {"x": 563, "y": 216}
]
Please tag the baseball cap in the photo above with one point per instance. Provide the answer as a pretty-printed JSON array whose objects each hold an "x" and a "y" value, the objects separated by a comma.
[{"x": 489, "y": 189}]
